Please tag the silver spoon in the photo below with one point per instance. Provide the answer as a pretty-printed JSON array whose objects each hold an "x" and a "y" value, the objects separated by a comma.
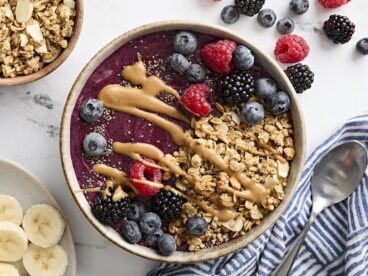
[{"x": 335, "y": 177}]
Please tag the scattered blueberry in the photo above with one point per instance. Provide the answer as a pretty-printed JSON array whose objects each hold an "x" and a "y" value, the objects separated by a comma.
[
  {"x": 278, "y": 103},
  {"x": 285, "y": 26},
  {"x": 94, "y": 144},
  {"x": 166, "y": 244},
  {"x": 265, "y": 87},
  {"x": 362, "y": 46},
  {"x": 243, "y": 58},
  {"x": 130, "y": 232},
  {"x": 195, "y": 73},
  {"x": 137, "y": 210},
  {"x": 196, "y": 226},
  {"x": 266, "y": 18},
  {"x": 152, "y": 239},
  {"x": 185, "y": 43},
  {"x": 230, "y": 14},
  {"x": 299, "y": 6},
  {"x": 91, "y": 110},
  {"x": 252, "y": 113},
  {"x": 179, "y": 63},
  {"x": 150, "y": 223}
]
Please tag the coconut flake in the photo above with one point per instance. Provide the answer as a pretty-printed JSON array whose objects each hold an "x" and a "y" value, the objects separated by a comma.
[
  {"x": 283, "y": 169},
  {"x": 35, "y": 32},
  {"x": 23, "y": 40},
  {"x": 69, "y": 3},
  {"x": 42, "y": 49},
  {"x": 23, "y": 11}
]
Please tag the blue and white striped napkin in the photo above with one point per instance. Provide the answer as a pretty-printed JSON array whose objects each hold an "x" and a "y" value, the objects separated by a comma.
[{"x": 337, "y": 243}]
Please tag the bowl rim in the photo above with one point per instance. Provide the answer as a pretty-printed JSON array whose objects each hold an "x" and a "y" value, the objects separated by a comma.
[
  {"x": 59, "y": 60},
  {"x": 212, "y": 252}
]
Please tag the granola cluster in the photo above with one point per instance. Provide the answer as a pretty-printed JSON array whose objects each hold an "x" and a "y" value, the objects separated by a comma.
[
  {"x": 33, "y": 33},
  {"x": 262, "y": 152}
]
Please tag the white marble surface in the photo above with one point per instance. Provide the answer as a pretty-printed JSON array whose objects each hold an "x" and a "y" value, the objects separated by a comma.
[{"x": 29, "y": 130}]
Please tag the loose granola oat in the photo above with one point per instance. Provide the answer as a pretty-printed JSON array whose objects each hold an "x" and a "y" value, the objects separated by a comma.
[
  {"x": 33, "y": 34},
  {"x": 262, "y": 152}
]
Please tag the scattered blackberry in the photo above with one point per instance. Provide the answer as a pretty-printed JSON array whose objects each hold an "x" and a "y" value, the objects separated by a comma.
[
  {"x": 249, "y": 7},
  {"x": 167, "y": 205},
  {"x": 339, "y": 29},
  {"x": 301, "y": 76},
  {"x": 108, "y": 211},
  {"x": 236, "y": 88}
]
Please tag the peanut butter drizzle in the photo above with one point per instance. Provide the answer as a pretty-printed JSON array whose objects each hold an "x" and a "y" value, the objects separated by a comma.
[{"x": 149, "y": 183}]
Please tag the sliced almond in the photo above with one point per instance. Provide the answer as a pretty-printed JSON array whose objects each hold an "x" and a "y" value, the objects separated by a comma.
[
  {"x": 42, "y": 49},
  {"x": 34, "y": 31},
  {"x": 235, "y": 117},
  {"x": 270, "y": 182},
  {"x": 255, "y": 213},
  {"x": 283, "y": 169},
  {"x": 23, "y": 40},
  {"x": 23, "y": 11},
  {"x": 234, "y": 225},
  {"x": 8, "y": 12},
  {"x": 69, "y": 3}
]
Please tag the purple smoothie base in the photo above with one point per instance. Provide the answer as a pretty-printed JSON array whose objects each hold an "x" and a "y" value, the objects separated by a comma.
[{"x": 124, "y": 127}]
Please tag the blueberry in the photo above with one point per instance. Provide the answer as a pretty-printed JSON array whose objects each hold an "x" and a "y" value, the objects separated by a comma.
[
  {"x": 230, "y": 14},
  {"x": 278, "y": 103},
  {"x": 130, "y": 232},
  {"x": 195, "y": 73},
  {"x": 299, "y": 6},
  {"x": 362, "y": 46},
  {"x": 150, "y": 223},
  {"x": 196, "y": 226},
  {"x": 265, "y": 87},
  {"x": 243, "y": 58},
  {"x": 266, "y": 18},
  {"x": 185, "y": 43},
  {"x": 166, "y": 244},
  {"x": 91, "y": 110},
  {"x": 94, "y": 144},
  {"x": 285, "y": 26},
  {"x": 252, "y": 113},
  {"x": 137, "y": 210},
  {"x": 179, "y": 63},
  {"x": 152, "y": 239}
]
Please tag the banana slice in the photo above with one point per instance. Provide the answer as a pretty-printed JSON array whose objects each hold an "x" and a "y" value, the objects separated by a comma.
[
  {"x": 44, "y": 225},
  {"x": 10, "y": 209},
  {"x": 8, "y": 270},
  {"x": 13, "y": 242},
  {"x": 51, "y": 261}
]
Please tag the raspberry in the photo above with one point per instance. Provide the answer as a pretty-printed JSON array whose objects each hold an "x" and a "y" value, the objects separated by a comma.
[
  {"x": 217, "y": 56},
  {"x": 291, "y": 49},
  {"x": 331, "y": 4},
  {"x": 140, "y": 171},
  {"x": 194, "y": 99}
]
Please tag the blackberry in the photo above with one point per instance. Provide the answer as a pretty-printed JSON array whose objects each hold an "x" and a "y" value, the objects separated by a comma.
[
  {"x": 339, "y": 29},
  {"x": 236, "y": 88},
  {"x": 108, "y": 211},
  {"x": 249, "y": 7},
  {"x": 167, "y": 205},
  {"x": 301, "y": 76}
]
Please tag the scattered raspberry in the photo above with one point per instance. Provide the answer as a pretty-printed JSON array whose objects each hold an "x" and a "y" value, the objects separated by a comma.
[
  {"x": 217, "y": 56},
  {"x": 141, "y": 172},
  {"x": 194, "y": 99},
  {"x": 291, "y": 49},
  {"x": 331, "y": 4}
]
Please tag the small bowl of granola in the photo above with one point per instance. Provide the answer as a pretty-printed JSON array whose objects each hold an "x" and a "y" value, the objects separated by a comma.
[
  {"x": 182, "y": 142},
  {"x": 36, "y": 37}
]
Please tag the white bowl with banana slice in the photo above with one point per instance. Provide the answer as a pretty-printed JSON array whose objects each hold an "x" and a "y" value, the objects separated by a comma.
[{"x": 35, "y": 238}]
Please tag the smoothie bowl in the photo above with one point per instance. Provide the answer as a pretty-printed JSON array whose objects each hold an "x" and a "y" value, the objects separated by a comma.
[{"x": 182, "y": 142}]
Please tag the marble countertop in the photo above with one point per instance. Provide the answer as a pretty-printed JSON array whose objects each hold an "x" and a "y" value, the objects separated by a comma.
[{"x": 30, "y": 114}]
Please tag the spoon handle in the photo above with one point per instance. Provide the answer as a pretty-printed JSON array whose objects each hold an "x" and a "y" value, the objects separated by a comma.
[{"x": 284, "y": 268}]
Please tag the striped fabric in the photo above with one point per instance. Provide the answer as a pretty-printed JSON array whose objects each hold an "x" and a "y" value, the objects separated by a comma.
[{"x": 337, "y": 243}]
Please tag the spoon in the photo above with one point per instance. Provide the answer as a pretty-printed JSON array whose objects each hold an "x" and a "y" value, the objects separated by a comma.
[{"x": 335, "y": 177}]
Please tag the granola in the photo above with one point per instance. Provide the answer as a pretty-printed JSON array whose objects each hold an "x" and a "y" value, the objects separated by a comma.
[{"x": 33, "y": 33}]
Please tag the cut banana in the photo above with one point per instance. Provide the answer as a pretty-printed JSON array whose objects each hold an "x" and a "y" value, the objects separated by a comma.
[
  {"x": 10, "y": 210},
  {"x": 39, "y": 261},
  {"x": 8, "y": 270},
  {"x": 44, "y": 225},
  {"x": 13, "y": 242}
]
